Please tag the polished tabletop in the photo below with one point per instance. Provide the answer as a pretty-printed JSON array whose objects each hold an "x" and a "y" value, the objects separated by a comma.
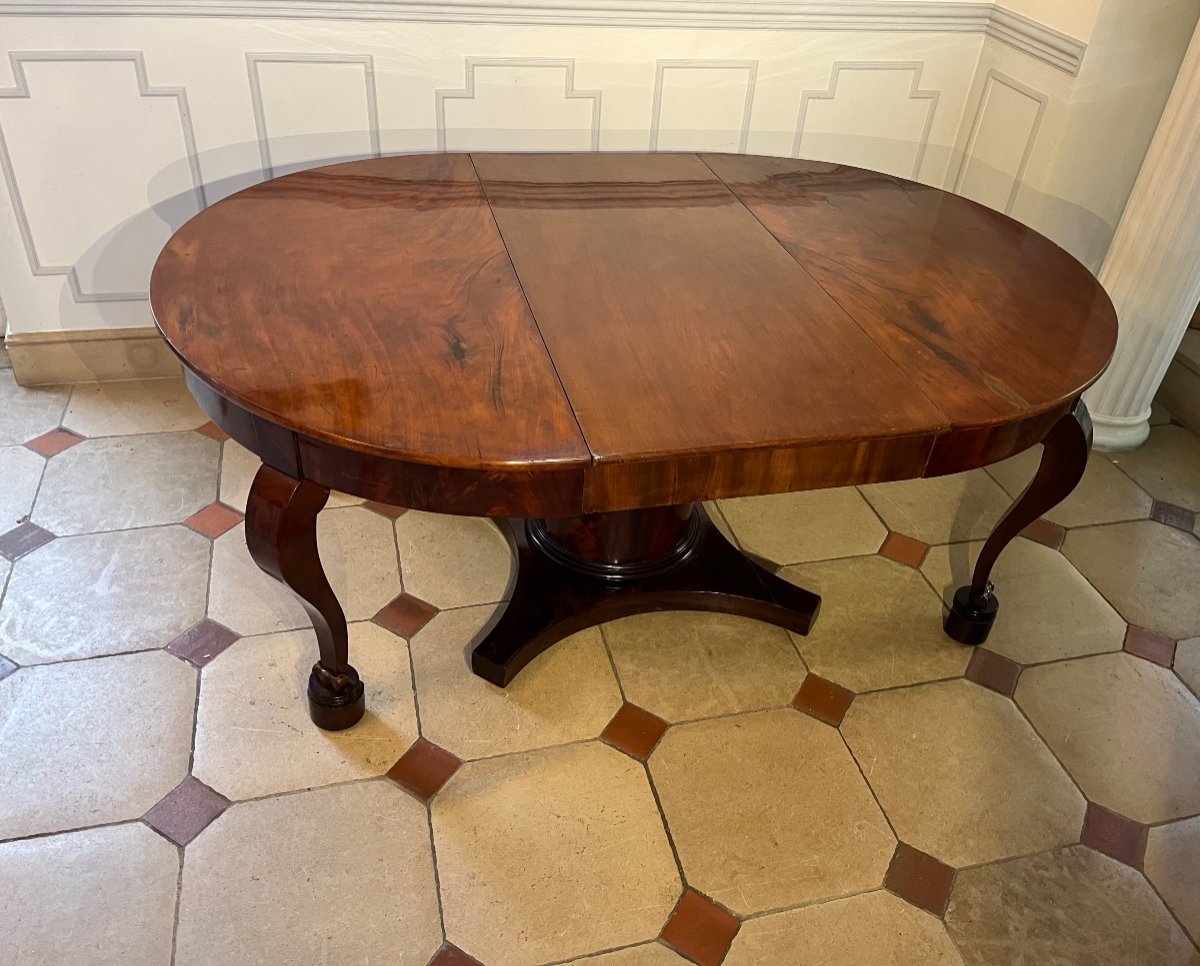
[{"x": 541, "y": 334}]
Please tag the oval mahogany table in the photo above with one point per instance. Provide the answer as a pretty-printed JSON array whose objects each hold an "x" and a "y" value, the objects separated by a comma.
[{"x": 589, "y": 345}]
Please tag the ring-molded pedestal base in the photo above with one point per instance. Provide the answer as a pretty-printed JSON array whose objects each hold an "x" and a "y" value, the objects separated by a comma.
[
  {"x": 970, "y": 618},
  {"x": 336, "y": 710},
  {"x": 606, "y": 566}
]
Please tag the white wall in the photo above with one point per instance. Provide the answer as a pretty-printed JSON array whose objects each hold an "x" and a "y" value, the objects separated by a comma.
[{"x": 117, "y": 127}]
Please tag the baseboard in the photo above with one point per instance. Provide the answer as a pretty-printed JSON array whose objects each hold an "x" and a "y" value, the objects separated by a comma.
[
  {"x": 95, "y": 355},
  {"x": 1180, "y": 389}
]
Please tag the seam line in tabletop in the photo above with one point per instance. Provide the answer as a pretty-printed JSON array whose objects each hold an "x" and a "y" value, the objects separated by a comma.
[{"x": 537, "y": 325}]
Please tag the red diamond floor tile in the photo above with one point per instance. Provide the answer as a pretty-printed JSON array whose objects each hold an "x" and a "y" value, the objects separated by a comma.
[
  {"x": 186, "y": 811},
  {"x": 405, "y": 615},
  {"x": 424, "y": 769},
  {"x": 634, "y": 731},
  {"x": 919, "y": 879},
  {"x": 700, "y": 929},
  {"x": 993, "y": 671},
  {"x": 54, "y": 442},
  {"x": 202, "y": 642},
  {"x": 823, "y": 699}
]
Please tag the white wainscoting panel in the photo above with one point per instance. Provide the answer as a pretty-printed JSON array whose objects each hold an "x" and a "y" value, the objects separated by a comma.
[
  {"x": 702, "y": 105},
  {"x": 1005, "y": 127}
]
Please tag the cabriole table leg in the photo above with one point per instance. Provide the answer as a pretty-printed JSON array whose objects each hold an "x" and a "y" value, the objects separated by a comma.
[
  {"x": 1064, "y": 458},
  {"x": 281, "y": 533}
]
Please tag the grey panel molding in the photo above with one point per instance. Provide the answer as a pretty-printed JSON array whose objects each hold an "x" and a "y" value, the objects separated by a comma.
[
  {"x": 566, "y": 65},
  {"x": 18, "y": 60},
  {"x": 953, "y": 16},
  {"x": 751, "y": 68},
  {"x": 914, "y": 94},
  {"x": 260, "y": 120},
  {"x": 996, "y": 77}
]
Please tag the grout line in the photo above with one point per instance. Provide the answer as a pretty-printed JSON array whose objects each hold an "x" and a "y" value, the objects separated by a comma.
[{"x": 612, "y": 662}]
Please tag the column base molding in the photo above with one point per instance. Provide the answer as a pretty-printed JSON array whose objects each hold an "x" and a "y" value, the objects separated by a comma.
[
  {"x": 1115, "y": 434},
  {"x": 89, "y": 355}
]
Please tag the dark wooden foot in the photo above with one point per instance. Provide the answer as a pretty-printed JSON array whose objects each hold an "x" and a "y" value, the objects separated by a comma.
[
  {"x": 1064, "y": 459},
  {"x": 281, "y": 532},
  {"x": 582, "y": 571}
]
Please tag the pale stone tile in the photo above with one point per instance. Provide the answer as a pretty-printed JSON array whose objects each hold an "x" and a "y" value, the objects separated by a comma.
[
  {"x": 880, "y": 625},
  {"x": 682, "y": 665},
  {"x": 253, "y": 733},
  {"x": 238, "y": 466},
  {"x": 566, "y": 694},
  {"x": 1167, "y": 466},
  {"x": 648, "y": 954},
  {"x": 942, "y": 509},
  {"x": 90, "y": 742},
  {"x": 769, "y": 810},
  {"x": 21, "y": 471},
  {"x": 1147, "y": 571},
  {"x": 1187, "y": 663},
  {"x": 873, "y": 928},
  {"x": 28, "y": 412},
  {"x": 125, "y": 408},
  {"x": 1173, "y": 865},
  {"x": 552, "y": 854},
  {"x": 1127, "y": 731},
  {"x": 104, "y": 593},
  {"x": 335, "y": 875},
  {"x": 1047, "y": 609},
  {"x": 357, "y": 551},
  {"x": 103, "y": 895},
  {"x": 1063, "y": 908},
  {"x": 961, "y": 774},
  {"x": 128, "y": 481},
  {"x": 799, "y": 527},
  {"x": 453, "y": 561},
  {"x": 1104, "y": 495}
]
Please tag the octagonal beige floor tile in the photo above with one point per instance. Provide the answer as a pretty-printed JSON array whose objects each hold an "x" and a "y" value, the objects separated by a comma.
[
  {"x": 964, "y": 506},
  {"x": 647, "y": 954},
  {"x": 1127, "y": 730},
  {"x": 1187, "y": 663},
  {"x": 128, "y": 481},
  {"x": 336, "y": 875},
  {"x": 28, "y": 412},
  {"x": 1167, "y": 465},
  {"x": 875, "y": 927},
  {"x": 681, "y": 665},
  {"x": 1063, "y": 908},
  {"x": 880, "y": 625},
  {"x": 357, "y": 551},
  {"x": 961, "y": 774},
  {"x": 125, "y": 408},
  {"x": 453, "y": 561},
  {"x": 566, "y": 694},
  {"x": 1147, "y": 571},
  {"x": 552, "y": 854},
  {"x": 1047, "y": 609},
  {"x": 68, "y": 731},
  {"x": 21, "y": 471},
  {"x": 769, "y": 810},
  {"x": 253, "y": 733},
  {"x": 1173, "y": 865},
  {"x": 238, "y": 466},
  {"x": 103, "y": 895},
  {"x": 104, "y": 593},
  {"x": 1104, "y": 495},
  {"x": 799, "y": 527}
]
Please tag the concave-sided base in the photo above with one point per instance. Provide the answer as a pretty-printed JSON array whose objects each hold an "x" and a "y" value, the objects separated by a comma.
[
  {"x": 580, "y": 572},
  {"x": 970, "y": 618},
  {"x": 336, "y": 710}
]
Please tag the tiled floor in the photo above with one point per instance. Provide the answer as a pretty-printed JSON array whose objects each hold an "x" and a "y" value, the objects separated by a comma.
[{"x": 665, "y": 789}]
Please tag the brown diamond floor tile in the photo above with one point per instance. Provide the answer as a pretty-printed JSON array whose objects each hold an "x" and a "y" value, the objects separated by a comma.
[
  {"x": 823, "y": 699},
  {"x": 386, "y": 509},
  {"x": 920, "y": 879},
  {"x": 634, "y": 731},
  {"x": 994, "y": 671},
  {"x": 186, "y": 811},
  {"x": 6, "y": 667},
  {"x": 202, "y": 642},
  {"x": 700, "y": 929},
  {"x": 405, "y": 615},
  {"x": 1143, "y": 643},
  {"x": 1046, "y": 533},
  {"x": 214, "y": 520},
  {"x": 22, "y": 540},
  {"x": 54, "y": 442},
  {"x": 905, "y": 550},
  {"x": 424, "y": 769},
  {"x": 213, "y": 431},
  {"x": 1114, "y": 835},
  {"x": 1173, "y": 516},
  {"x": 450, "y": 955}
]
